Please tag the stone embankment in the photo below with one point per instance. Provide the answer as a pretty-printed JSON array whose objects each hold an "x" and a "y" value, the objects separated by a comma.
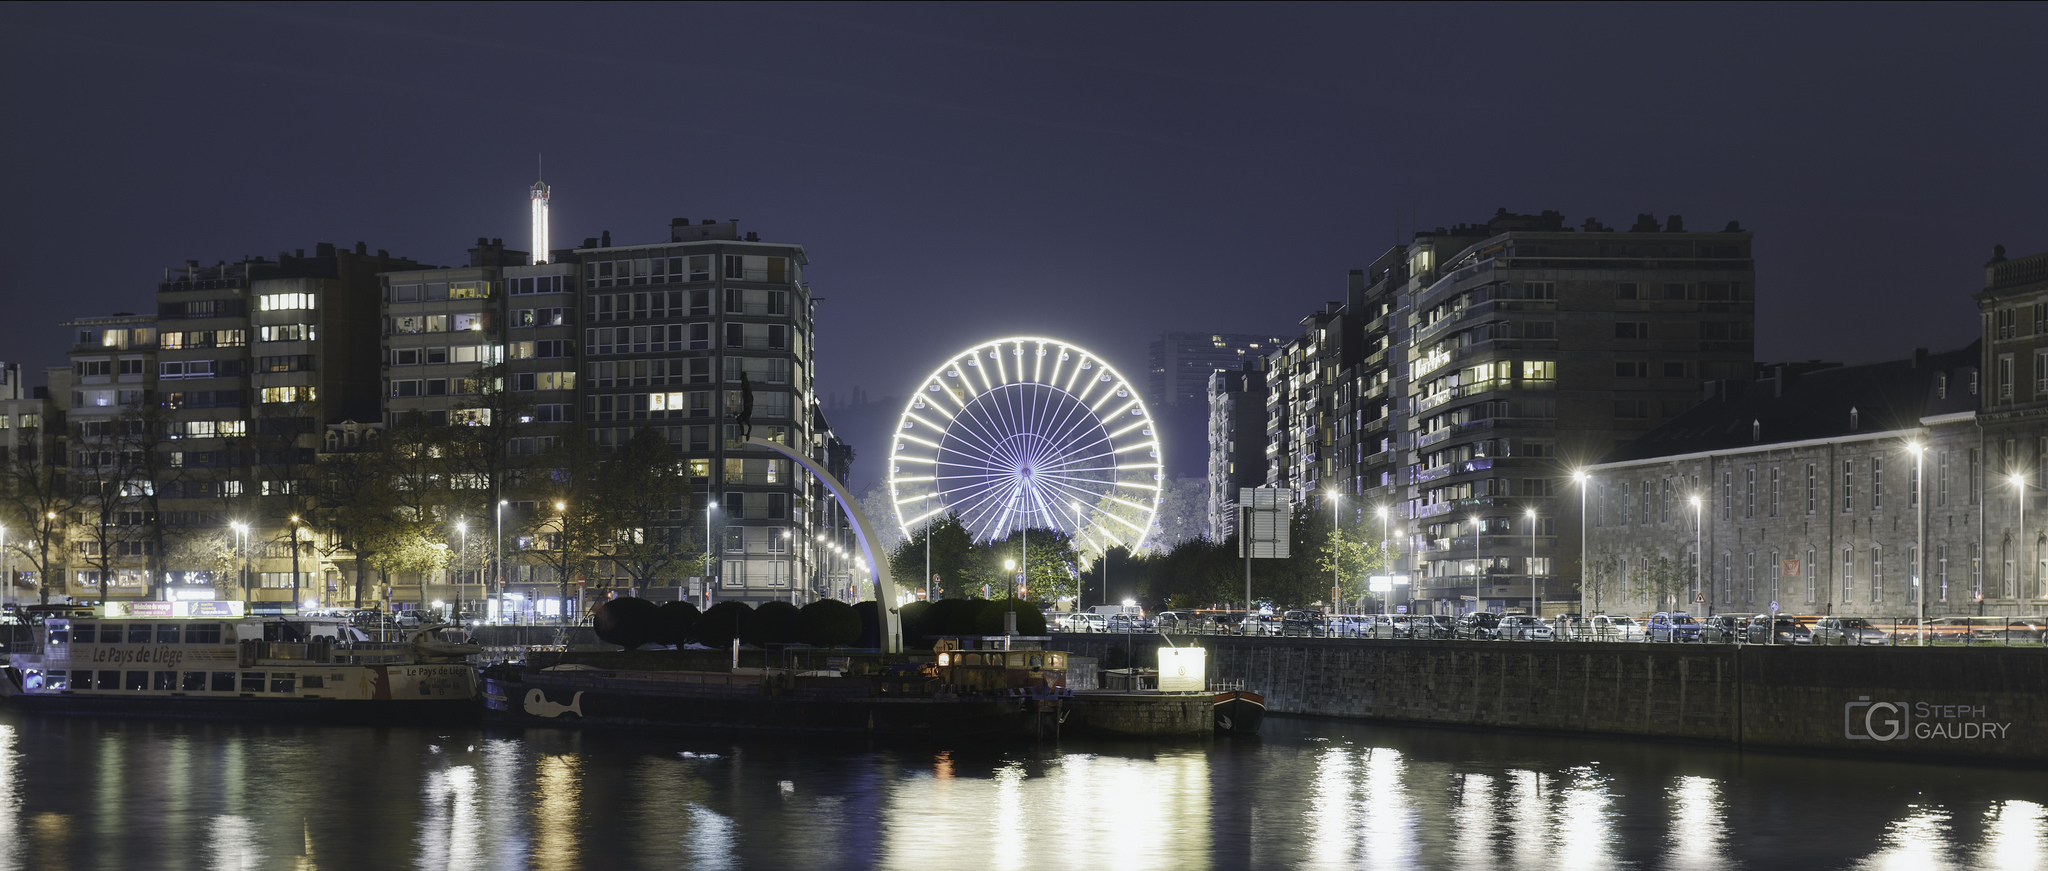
[{"x": 1951, "y": 702}]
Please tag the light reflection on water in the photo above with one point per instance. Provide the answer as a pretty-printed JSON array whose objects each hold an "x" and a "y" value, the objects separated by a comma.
[{"x": 83, "y": 793}]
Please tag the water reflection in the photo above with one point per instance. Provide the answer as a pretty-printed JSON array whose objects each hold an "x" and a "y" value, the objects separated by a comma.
[
  {"x": 2014, "y": 837},
  {"x": 1699, "y": 826},
  {"x": 1312, "y": 794}
]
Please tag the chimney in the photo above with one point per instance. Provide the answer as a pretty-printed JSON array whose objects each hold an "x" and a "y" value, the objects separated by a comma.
[
  {"x": 589, "y": 242},
  {"x": 1919, "y": 357},
  {"x": 324, "y": 249},
  {"x": 1676, "y": 224},
  {"x": 302, "y": 253},
  {"x": 362, "y": 249},
  {"x": 605, "y": 239}
]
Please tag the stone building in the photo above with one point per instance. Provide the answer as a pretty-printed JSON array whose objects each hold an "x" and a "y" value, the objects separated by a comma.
[{"x": 1804, "y": 488}]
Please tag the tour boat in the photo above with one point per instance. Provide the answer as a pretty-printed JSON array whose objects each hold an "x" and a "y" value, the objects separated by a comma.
[{"x": 209, "y": 659}]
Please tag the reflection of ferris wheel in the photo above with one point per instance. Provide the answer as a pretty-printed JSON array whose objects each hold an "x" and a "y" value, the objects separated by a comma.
[{"x": 1028, "y": 432}]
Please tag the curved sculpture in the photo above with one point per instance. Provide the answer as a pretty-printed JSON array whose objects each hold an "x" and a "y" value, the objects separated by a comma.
[
  {"x": 1028, "y": 432},
  {"x": 878, "y": 562}
]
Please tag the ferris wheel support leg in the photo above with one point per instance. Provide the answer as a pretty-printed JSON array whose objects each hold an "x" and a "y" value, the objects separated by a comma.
[{"x": 878, "y": 562}]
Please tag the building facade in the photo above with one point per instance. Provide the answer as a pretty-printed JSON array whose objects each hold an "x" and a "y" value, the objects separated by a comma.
[
  {"x": 1237, "y": 441},
  {"x": 1470, "y": 370}
]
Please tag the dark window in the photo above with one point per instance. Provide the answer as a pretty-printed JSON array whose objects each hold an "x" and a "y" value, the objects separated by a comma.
[
  {"x": 223, "y": 681},
  {"x": 193, "y": 682}
]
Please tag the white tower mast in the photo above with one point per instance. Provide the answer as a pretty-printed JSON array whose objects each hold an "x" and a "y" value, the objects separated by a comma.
[{"x": 540, "y": 223}]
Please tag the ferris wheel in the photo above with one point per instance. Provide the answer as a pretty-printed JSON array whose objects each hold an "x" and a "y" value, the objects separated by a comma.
[{"x": 1028, "y": 432}]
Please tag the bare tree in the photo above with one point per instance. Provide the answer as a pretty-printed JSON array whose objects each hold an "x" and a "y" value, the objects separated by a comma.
[{"x": 37, "y": 500}]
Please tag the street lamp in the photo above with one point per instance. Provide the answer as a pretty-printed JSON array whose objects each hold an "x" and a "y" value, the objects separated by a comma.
[
  {"x": 710, "y": 508},
  {"x": 562, "y": 541},
  {"x": 789, "y": 545},
  {"x": 931, "y": 592},
  {"x": 2019, "y": 536},
  {"x": 242, "y": 556},
  {"x": 1336, "y": 552},
  {"x": 462, "y": 532},
  {"x": 1583, "y": 480},
  {"x": 1535, "y": 595},
  {"x": 1920, "y": 549},
  {"x": 295, "y": 563},
  {"x": 1699, "y": 553},
  {"x": 1387, "y": 562},
  {"x": 1478, "y": 571},
  {"x": 498, "y": 561}
]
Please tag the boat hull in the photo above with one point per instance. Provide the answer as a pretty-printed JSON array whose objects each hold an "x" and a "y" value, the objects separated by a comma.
[
  {"x": 343, "y": 711},
  {"x": 1239, "y": 712},
  {"x": 801, "y": 705}
]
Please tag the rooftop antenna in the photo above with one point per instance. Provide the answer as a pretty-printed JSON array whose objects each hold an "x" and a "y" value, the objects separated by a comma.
[{"x": 540, "y": 215}]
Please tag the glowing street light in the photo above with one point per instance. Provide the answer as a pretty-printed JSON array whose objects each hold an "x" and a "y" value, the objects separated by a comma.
[
  {"x": 1535, "y": 593},
  {"x": 1699, "y": 554}
]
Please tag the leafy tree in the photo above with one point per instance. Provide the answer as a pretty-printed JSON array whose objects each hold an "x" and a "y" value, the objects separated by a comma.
[
  {"x": 912, "y": 618},
  {"x": 952, "y": 552},
  {"x": 1054, "y": 570},
  {"x": 104, "y": 493},
  {"x": 37, "y": 501},
  {"x": 645, "y": 500},
  {"x": 828, "y": 623},
  {"x": 954, "y": 617},
  {"x": 1355, "y": 557},
  {"x": 571, "y": 522},
  {"x": 1115, "y": 576},
  {"x": 359, "y": 506}
]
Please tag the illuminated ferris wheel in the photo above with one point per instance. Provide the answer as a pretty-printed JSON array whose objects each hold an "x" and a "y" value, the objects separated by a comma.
[{"x": 1028, "y": 432}]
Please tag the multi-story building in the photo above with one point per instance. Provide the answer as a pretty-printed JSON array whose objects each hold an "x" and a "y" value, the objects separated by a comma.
[
  {"x": 113, "y": 380},
  {"x": 1237, "y": 440},
  {"x": 677, "y": 335},
  {"x": 1817, "y": 491},
  {"x": 1470, "y": 370},
  {"x": 254, "y": 359},
  {"x": 1178, "y": 389}
]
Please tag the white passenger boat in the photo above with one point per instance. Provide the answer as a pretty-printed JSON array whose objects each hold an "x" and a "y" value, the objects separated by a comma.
[{"x": 208, "y": 659}]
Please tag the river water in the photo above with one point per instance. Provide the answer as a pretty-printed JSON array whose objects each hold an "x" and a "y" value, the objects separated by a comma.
[{"x": 1309, "y": 793}]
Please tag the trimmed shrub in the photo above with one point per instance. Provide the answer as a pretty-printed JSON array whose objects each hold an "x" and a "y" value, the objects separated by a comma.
[
  {"x": 870, "y": 625},
  {"x": 951, "y": 617},
  {"x": 721, "y": 624},
  {"x": 774, "y": 623},
  {"x": 1030, "y": 621},
  {"x": 913, "y": 616},
  {"x": 627, "y": 622},
  {"x": 674, "y": 622},
  {"x": 827, "y": 623}
]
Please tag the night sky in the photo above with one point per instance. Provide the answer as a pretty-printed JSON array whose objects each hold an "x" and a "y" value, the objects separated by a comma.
[{"x": 959, "y": 173}]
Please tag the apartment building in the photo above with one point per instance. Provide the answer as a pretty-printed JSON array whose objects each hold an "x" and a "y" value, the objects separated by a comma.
[
  {"x": 1470, "y": 370},
  {"x": 1237, "y": 440},
  {"x": 677, "y": 335}
]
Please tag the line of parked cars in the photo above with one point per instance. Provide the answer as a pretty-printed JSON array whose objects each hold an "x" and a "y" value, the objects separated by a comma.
[{"x": 1663, "y": 627}]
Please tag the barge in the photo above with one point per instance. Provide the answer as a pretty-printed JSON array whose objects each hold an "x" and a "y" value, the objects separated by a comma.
[{"x": 209, "y": 660}]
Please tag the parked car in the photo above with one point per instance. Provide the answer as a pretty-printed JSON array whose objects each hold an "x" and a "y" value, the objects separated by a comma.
[
  {"x": 1848, "y": 631},
  {"x": 1522, "y": 627},
  {"x": 1568, "y": 627},
  {"x": 1478, "y": 626},
  {"x": 1722, "y": 629},
  {"x": 1763, "y": 629},
  {"x": 415, "y": 618},
  {"x": 1432, "y": 626},
  {"x": 1174, "y": 621},
  {"x": 1672, "y": 626},
  {"x": 1392, "y": 626},
  {"x": 1613, "y": 627},
  {"x": 1129, "y": 623},
  {"x": 1304, "y": 623},
  {"x": 1082, "y": 621}
]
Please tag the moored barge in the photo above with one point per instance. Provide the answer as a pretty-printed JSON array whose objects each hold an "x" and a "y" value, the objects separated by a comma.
[{"x": 209, "y": 660}]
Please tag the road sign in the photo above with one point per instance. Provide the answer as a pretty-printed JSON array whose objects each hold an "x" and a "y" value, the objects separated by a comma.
[
  {"x": 1699, "y": 599},
  {"x": 1774, "y": 607},
  {"x": 1384, "y": 583},
  {"x": 1400, "y": 609},
  {"x": 1266, "y": 513}
]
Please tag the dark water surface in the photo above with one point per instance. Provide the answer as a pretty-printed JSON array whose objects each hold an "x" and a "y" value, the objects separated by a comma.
[{"x": 122, "y": 794}]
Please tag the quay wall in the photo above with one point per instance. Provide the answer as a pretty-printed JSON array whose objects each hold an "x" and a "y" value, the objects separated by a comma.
[{"x": 1981, "y": 703}]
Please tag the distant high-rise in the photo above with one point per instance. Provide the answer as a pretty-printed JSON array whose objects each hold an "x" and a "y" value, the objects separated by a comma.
[{"x": 540, "y": 224}]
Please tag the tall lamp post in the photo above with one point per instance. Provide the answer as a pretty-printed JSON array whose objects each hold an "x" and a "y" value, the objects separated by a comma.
[
  {"x": 498, "y": 561},
  {"x": 710, "y": 507},
  {"x": 242, "y": 557},
  {"x": 1478, "y": 570},
  {"x": 295, "y": 563},
  {"x": 1336, "y": 547},
  {"x": 1920, "y": 547},
  {"x": 1388, "y": 562},
  {"x": 562, "y": 541},
  {"x": 1535, "y": 595},
  {"x": 931, "y": 592},
  {"x": 3, "y": 564},
  {"x": 1699, "y": 553},
  {"x": 2019, "y": 536},
  {"x": 1584, "y": 481},
  {"x": 462, "y": 533}
]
